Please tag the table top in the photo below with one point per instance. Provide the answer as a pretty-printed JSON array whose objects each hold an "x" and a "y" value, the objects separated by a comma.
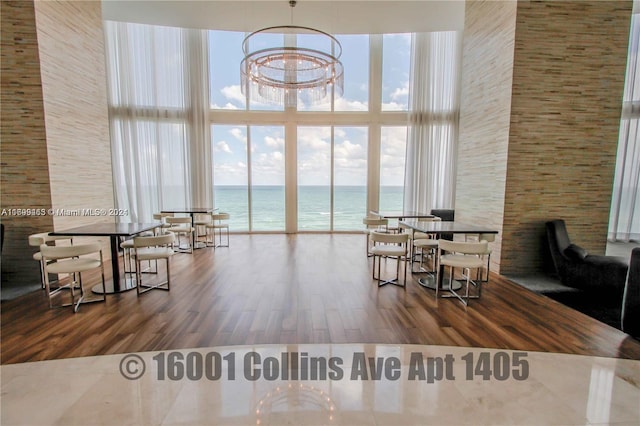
[
  {"x": 189, "y": 210},
  {"x": 108, "y": 229},
  {"x": 401, "y": 215},
  {"x": 444, "y": 227}
]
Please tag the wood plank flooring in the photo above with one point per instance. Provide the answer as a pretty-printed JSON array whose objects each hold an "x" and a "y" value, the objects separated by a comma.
[{"x": 307, "y": 288}]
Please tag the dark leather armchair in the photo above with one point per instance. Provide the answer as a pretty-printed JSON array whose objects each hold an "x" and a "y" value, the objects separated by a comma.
[
  {"x": 631, "y": 300},
  {"x": 600, "y": 276}
]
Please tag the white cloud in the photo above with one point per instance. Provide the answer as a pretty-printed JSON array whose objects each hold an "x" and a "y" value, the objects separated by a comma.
[
  {"x": 228, "y": 105},
  {"x": 350, "y": 163},
  {"x": 272, "y": 142},
  {"x": 391, "y": 161},
  {"x": 394, "y": 141},
  {"x": 314, "y": 169},
  {"x": 343, "y": 104},
  {"x": 340, "y": 104},
  {"x": 393, "y": 106},
  {"x": 268, "y": 169},
  {"x": 233, "y": 93},
  {"x": 223, "y": 146},
  {"x": 230, "y": 174},
  {"x": 392, "y": 158},
  {"x": 238, "y": 133},
  {"x": 401, "y": 93},
  {"x": 314, "y": 138},
  {"x": 350, "y": 151}
]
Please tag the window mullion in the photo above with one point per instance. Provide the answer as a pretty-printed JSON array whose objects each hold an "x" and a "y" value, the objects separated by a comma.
[
  {"x": 249, "y": 180},
  {"x": 375, "y": 106},
  {"x": 291, "y": 176}
]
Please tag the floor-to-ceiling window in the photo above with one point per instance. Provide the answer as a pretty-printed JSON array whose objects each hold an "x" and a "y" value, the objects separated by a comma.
[{"x": 308, "y": 167}]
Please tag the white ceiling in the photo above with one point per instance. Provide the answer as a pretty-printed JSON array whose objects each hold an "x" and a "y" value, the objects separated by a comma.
[{"x": 335, "y": 16}]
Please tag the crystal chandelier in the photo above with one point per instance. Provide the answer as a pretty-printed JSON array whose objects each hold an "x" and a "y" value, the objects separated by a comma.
[{"x": 306, "y": 66}]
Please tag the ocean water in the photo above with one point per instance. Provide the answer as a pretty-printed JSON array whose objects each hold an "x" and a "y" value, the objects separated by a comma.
[{"x": 314, "y": 206}]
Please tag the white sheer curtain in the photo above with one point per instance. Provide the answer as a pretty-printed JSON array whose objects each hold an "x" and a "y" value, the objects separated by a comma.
[
  {"x": 430, "y": 168},
  {"x": 158, "y": 108},
  {"x": 624, "y": 222}
]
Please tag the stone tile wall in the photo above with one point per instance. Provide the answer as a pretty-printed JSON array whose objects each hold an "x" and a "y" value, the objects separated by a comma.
[
  {"x": 485, "y": 107},
  {"x": 23, "y": 159},
  {"x": 55, "y": 129}
]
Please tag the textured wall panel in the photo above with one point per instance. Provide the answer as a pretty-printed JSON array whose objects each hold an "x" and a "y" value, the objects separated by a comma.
[
  {"x": 72, "y": 56},
  {"x": 485, "y": 114},
  {"x": 24, "y": 165},
  {"x": 568, "y": 76}
]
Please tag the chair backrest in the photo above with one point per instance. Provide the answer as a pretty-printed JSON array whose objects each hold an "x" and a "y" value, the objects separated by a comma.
[
  {"x": 178, "y": 220},
  {"x": 463, "y": 247},
  {"x": 375, "y": 222},
  {"x": 630, "y": 318},
  {"x": 162, "y": 216},
  {"x": 220, "y": 216},
  {"x": 36, "y": 240},
  {"x": 62, "y": 252},
  {"x": 385, "y": 238},
  {"x": 487, "y": 237},
  {"x": 158, "y": 240},
  {"x": 558, "y": 240},
  {"x": 447, "y": 215}
]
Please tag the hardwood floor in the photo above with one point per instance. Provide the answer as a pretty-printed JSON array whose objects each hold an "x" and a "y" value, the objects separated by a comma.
[{"x": 308, "y": 288}]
